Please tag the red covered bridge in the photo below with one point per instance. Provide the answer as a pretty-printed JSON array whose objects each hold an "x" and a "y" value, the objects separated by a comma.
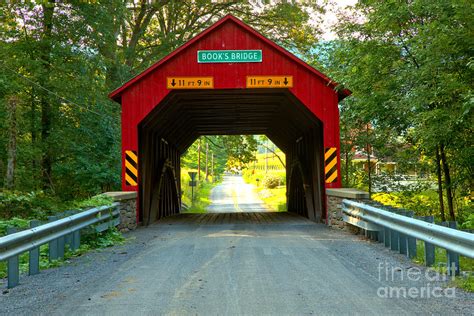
[{"x": 229, "y": 80}]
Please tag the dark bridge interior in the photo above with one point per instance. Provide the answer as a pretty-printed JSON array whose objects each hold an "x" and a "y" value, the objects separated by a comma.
[{"x": 183, "y": 116}]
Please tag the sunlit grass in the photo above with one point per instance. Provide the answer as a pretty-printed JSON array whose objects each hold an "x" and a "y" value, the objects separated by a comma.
[
  {"x": 440, "y": 264},
  {"x": 275, "y": 199},
  {"x": 202, "y": 193}
]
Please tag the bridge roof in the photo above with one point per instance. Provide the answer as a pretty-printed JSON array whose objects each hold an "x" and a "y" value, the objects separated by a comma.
[{"x": 116, "y": 94}]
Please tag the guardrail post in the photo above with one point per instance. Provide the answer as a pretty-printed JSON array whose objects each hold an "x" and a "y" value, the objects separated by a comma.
[
  {"x": 453, "y": 258},
  {"x": 61, "y": 242},
  {"x": 34, "y": 255},
  {"x": 429, "y": 248},
  {"x": 394, "y": 235},
  {"x": 13, "y": 265},
  {"x": 68, "y": 238},
  {"x": 380, "y": 235},
  {"x": 411, "y": 241},
  {"x": 53, "y": 244},
  {"x": 403, "y": 238},
  {"x": 373, "y": 235},
  {"x": 76, "y": 240},
  {"x": 386, "y": 236},
  {"x": 394, "y": 240}
]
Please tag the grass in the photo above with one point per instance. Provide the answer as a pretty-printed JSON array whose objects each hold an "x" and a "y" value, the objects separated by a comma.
[
  {"x": 38, "y": 206},
  {"x": 465, "y": 283},
  {"x": 426, "y": 203},
  {"x": 465, "y": 264},
  {"x": 275, "y": 198},
  {"x": 202, "y": 192},
  {"x": 202, "y": 198},
  {"x": 89, "y": 242}
]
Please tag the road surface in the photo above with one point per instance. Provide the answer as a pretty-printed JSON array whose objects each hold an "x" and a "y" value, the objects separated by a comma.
[
  {"x": 244, "y": 263},
  {"x": 234, "y": 195}
]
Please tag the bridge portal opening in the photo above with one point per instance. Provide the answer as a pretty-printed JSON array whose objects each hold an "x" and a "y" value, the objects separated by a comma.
[
  {"x": 233, "y": 174},
  {"x": 184, "y": 115}
]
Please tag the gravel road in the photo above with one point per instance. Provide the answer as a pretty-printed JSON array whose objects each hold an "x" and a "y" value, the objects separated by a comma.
[
  {"x": 245, "y": 264},
  {"x": 170, "y": 268},
  {"x": 234, "y": 195}
]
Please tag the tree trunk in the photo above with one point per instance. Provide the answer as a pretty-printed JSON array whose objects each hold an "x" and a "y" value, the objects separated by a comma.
[
  {"x": 199, "y": 160},
  {"x": 33, "y": 131},
  {"x": 266, "y": 157},
  {"x": 207, "y": 157},
  {"x": 347, "y": 167},
  {"x": 12, "y": 134},
  {"x": 369, "y": 167},
  {"x": 274, "y": 153},
  {"x": 46, "y": 109},
  {"x": 212, "y": 167},
  {"x": 448, "y": 184},
  {"x": 440, "y": 184}
]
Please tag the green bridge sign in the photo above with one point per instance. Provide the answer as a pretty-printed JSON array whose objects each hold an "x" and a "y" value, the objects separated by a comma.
[{"x": 229, "y": 56}]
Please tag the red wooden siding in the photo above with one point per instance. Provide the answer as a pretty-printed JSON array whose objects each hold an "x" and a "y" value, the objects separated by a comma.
[{"x": 139, "y": 96}]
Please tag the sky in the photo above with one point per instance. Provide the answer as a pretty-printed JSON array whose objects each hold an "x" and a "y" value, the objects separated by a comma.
[{"x": 330, "y": 18}]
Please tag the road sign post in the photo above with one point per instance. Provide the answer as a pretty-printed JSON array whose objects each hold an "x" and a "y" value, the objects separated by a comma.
[{"x": 192, "y": 183}]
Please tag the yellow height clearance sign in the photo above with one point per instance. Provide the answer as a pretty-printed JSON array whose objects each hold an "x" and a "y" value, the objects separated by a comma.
[
  {"x": 190, "y": 83},
  {"x": 269, "y": 81}
]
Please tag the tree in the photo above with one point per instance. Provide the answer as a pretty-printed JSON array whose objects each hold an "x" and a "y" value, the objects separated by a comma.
[
  {"x": 228, "y": 150},
  {"x": 61, "y": 59},
  {"x": 408, "y": 65},
  {"x": 12, "y": 135}
]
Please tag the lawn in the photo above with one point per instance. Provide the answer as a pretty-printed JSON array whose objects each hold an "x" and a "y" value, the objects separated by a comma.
[
  {"x": 275, "y": 198},
  {"x": 202, "y": 193},
  {"x": 466, "y": 265}
]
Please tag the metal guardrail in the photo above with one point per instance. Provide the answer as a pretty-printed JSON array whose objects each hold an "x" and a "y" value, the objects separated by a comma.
[
  {"x": 399, "y": 231},
  {"x": 58, "y": 234}
]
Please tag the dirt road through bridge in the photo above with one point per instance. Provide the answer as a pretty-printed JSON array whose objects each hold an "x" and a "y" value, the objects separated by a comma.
[
  {"x": 234, "y": 195},
  {"x": 232, "y": 264}
]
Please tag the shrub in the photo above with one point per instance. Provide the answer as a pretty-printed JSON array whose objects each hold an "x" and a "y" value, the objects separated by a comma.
[
  {"x": 271, "y": 181},
  {"x": 469, "y": 222},
  {"x": 38, "y": 205},
  {"x": 24, "y": 205}
]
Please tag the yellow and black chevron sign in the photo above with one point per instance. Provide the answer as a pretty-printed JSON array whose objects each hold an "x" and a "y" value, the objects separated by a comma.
[
  {"x": 330, "y": 163},
  {"x": 131, "y": 168}
]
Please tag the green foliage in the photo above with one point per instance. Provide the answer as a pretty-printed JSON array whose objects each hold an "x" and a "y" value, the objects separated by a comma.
[
  {"x": 422, "y": 203},
  {"x": 271, "y": 181},
  {"x": 469, "y": 222},
  {"x": 38, "y": 205},
  {"x": 275, "y": 198},
  {"x": 31, "y": 205},
  {"x": 95, "y": 201},
  {"x": 202, "y": 192},
  {"x": 105, "y": 239},
  {"x": 240, "y": 148},
  {"x": 425, "y": 203},
  {"x": 409, "y": 66},
  {"x": 61, "y": 60},
  {"x": 465, "y": 264},
  {"x": 19, "y": 223},
  {"x": 465, "y": 282},
  {"x": 271, "y": 186}
]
